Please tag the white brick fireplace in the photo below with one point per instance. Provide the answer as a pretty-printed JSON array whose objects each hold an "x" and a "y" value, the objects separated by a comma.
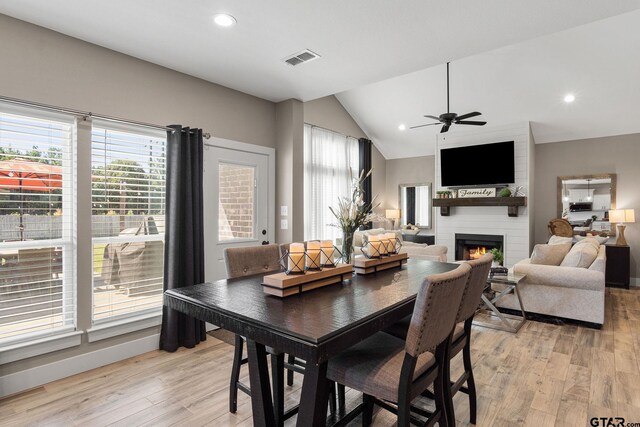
[{"x": 517, "y": 231}]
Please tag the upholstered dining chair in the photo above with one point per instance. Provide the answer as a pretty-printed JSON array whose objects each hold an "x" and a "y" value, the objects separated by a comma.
[
  {"x": 248, "y": 261},
  {"x": 461, "y": 337},
  {"x": 391, "y": 372}
]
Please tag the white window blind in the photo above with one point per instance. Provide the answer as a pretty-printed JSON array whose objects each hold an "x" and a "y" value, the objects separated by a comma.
[
  {"x": 328, "y": 159},
  {"x": 128, "y": 211},
  {"x": 37, "y": 203}
]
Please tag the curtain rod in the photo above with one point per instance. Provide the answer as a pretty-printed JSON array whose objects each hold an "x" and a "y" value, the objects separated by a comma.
[
  {"x": 86, "y": 114},
  {"x": 331, "y": 130}
]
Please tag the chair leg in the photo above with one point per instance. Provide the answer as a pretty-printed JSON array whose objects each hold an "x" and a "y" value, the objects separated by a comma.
[
  {"x": 367, "y": 410},
  {"x": 448, "y": 397},
  {"x": 332, "y": 397},
  {"x": 341, "y": 398},
  {"x": 235, "y": 374},
  {"x": 290, "y": 360},
  {"x": 471, "y": 384},
  {"x": 439, "y": 398},
  {"x": 277, "y": 381}
]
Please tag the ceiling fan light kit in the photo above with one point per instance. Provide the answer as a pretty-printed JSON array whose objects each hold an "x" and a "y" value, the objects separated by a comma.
[{"x": 447, "y": 119}]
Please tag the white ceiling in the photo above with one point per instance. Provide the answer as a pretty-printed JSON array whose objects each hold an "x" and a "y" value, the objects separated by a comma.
[
  {"x": 360, "y": 41},
  {"x": 598, "y": 62}
]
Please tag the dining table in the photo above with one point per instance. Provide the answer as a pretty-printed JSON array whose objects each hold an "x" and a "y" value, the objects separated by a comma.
[{"x": 312, "y": 326}]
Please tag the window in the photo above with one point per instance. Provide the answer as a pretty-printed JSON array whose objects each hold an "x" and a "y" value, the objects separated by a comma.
[
  {"x": 236, "y": 202},
  {"x": 329, "y": 160},
  {"x": 37, "y": 211},
  {"x": 128, "y": 211}
]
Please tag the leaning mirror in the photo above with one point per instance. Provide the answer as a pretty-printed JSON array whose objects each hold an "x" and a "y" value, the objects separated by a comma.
[
  {"x": 415, "y": 204},
  {"x": 585, "y": 201}
]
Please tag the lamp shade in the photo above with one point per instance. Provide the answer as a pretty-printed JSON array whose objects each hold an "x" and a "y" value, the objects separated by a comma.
[
  {"x": 392, "y": 214},
  {"x": 622, "y": 215}
]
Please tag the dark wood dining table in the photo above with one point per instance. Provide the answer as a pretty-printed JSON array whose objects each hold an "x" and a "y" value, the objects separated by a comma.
[{"x": 313, "y": 326}]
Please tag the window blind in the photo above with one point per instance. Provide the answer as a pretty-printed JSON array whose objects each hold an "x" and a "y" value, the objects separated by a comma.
[
  {"x": 37, "y": 202},
  {"x": 329, "y": 158},
  {"x": 128, "y": 215}
]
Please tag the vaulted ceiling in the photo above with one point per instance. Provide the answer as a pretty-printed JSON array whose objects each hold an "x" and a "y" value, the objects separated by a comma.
[{"x": 512, "y": 59}]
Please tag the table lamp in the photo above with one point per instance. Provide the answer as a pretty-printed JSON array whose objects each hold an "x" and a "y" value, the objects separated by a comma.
[
  {"x": 393, "y": 214},
  {"x": 620, "y": 217}
]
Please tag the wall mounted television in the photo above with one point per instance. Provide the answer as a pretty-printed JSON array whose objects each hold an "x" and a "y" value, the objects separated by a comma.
[{"x": 478, "y": 165}]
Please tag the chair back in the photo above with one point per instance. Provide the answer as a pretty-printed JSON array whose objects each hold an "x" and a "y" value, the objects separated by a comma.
[
  {"x": 249, "y": 260},
  {"x": 475, "y": 286},
  {"x": 437, "y": 306}
]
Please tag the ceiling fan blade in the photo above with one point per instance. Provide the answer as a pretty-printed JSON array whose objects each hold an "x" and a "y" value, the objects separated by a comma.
[
  {"x": 445, "y": 128},
  {"x": 420, "y": 126},
  {"x": 471, "y": 122},
  {"x": 468, "y": 116},
  {"x": 433, "y": 117}
]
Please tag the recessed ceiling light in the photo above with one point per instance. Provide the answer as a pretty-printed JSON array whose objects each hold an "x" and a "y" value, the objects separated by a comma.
[
  {"x": 568, "y": 98},
  {"x": 402, "y": 127},
  {"x": 224, "y": 20}
]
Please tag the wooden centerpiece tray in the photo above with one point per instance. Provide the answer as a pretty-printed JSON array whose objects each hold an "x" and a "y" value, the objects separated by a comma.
[
  {"x": 283, "y": 285},
  {"x": 364, "y": 265}
]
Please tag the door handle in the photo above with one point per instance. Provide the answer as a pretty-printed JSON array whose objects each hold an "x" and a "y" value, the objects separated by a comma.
[{"x": 264, "y": 233}]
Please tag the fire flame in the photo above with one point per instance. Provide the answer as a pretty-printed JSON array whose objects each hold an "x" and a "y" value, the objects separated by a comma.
[{"x": 477, "y": 252}]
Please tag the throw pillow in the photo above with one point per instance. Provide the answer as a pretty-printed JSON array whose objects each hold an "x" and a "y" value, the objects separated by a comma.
[
  {"x": 558, "y": 240},
  {"x": 582, "y": 254},
  {"x": 591, "y": 241},
  {"x": 601, "y": 239},
  {"x": 549, "y": 254}
]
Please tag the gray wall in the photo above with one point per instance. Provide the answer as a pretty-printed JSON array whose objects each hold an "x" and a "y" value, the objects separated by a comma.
[
  {"x": 290, "y": 170},
  {"x": 329, "y": 113},
  {"x": 44, "y": 66},
  {"x": 615, "y": 154}
]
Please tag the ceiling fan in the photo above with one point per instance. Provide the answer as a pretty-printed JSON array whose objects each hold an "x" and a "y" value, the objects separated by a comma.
[{"x": 447, "y": 119}]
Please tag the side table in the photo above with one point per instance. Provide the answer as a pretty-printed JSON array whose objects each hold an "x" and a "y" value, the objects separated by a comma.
[
  {"x": 508, "y": 322},
  {"x": 617, "y": 271}
]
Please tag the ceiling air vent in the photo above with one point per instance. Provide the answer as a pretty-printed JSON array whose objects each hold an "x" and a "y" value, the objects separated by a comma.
[{"x": 300, "y": 57}]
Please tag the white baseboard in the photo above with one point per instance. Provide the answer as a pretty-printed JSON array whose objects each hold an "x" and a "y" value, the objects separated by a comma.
[
  {"x": 30, "y": 378},
  {"x": 635, "y": 282}
]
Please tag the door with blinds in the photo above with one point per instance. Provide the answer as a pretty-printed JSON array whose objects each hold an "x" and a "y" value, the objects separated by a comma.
[{"x": 237, "y": 202}]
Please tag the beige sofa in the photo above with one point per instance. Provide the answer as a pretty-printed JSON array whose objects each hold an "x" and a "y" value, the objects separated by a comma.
[
  {"x": 414, "y": 250},
  {"x": 567, "y": 292}
]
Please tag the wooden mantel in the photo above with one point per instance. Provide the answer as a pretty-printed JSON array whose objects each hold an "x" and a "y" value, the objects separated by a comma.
[{"x": 512, "y": 203}]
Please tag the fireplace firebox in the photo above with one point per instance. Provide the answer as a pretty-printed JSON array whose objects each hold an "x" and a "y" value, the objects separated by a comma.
[{"x": 473, "y": 246}]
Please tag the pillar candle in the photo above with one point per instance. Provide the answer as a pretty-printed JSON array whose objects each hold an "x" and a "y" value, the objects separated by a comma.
[
  {"x": 326, "y": 256},
  {"x": 296, "y": 257},
  {"x": 375, "y": 247},
  {"x": 313, "y": 254}
]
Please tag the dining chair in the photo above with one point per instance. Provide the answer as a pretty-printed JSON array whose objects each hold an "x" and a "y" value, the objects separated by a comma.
[
  {"x": 240, "y": 262},
  {"x": 247, "y": 261},
  {"x": 391, "y": 372},
  {"x": 461, "y": 336}
]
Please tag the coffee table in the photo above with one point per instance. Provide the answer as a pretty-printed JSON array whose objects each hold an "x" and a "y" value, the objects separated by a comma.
[{"x": 508, "y": 322}]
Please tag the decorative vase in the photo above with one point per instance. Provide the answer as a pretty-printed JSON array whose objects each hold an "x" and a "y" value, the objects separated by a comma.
[{"x": 347, "y": 246}]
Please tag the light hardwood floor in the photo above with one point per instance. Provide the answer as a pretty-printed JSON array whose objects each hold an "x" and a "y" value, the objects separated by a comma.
[{"x": 545, "y": 375}]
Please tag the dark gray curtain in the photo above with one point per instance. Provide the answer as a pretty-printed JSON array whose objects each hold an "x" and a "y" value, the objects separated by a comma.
[
  {"x": 410, "y": 205},
  {"x": 365, "y": 164},
  {"x": 184, "y": 235}
]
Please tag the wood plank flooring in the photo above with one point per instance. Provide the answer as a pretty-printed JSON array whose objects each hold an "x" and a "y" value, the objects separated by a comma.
[{"x": 545, "y": 375}]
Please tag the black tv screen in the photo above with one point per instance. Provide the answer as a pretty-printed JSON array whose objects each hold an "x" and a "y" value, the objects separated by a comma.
[{"x": 476, "y": 165}]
